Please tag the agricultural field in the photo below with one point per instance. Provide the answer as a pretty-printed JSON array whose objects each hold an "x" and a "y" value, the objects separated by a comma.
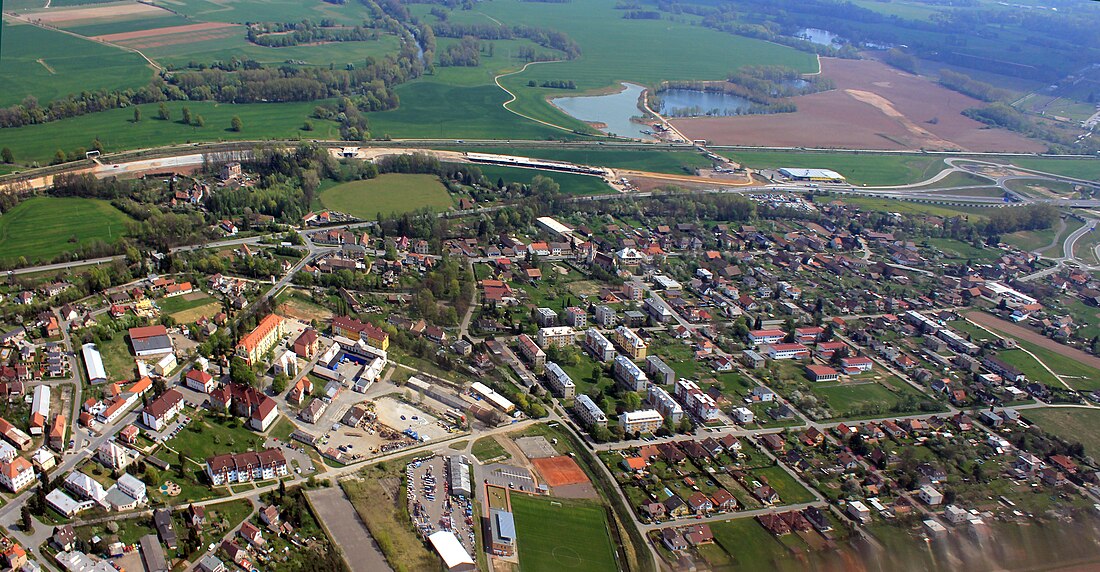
[
  {"x": 387, "y": 194},
  {"x": 874, "y": 107},
  {"x": 1072, "y": 424},
  {"x": 50, "y": 65},
  {"x": 556, "y": 534},
  {"x": 42, "y": 228}
]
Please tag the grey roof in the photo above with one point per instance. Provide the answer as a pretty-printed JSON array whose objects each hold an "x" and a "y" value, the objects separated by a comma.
[
  {"x": 152, "y": 344},
  {"x": 153, "y": 554},
  {"x": 504, "y": 526}
]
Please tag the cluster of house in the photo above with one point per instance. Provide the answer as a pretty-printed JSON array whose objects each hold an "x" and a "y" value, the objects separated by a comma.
[
  {"x": 676, "y": 453},
  {"x": 27, "y": 361}
]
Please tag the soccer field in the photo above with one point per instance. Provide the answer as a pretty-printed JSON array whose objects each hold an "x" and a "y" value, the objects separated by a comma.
[{"x": 559, "y": 535}]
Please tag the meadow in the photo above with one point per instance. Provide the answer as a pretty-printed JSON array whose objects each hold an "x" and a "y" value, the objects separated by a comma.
[
  {"x": 658, "y": 50},
  {"x": 1072, "y": 424},
  {"x": 859, "y": 169},
  {"x": 51, "y": 65},
  {"x": 1077, "y": 168},
  {"x": 556, "y": 534},
  {"x": 655, "y": 160},
  {"x": 387, "y": 194},
  {"x": 41, "y": 228},
  {"x": 117, "y": 131},
  {"x": 570, "y": 184}
]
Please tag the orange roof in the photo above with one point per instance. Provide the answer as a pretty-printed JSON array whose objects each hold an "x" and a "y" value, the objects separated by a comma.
[
  {"x": 252, "y": 340},
  {"x": 58, "y": 427},
  {"x": 15, "y": 467},
  {"x": 141, "y": 385},
  {"x": 635, "y": 463}
]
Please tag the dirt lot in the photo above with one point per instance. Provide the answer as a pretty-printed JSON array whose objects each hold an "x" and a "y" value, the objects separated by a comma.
[
  {"x": 995, "y": 323},
  {"x": 112, "y": 12},
  {"x": 188, "y": 29},
  {"x": 873, "y": 106},
  {"x": 350, "y": 534}
]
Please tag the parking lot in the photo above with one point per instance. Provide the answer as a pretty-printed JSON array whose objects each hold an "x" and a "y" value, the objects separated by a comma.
[{"x": 433, "y": 508}]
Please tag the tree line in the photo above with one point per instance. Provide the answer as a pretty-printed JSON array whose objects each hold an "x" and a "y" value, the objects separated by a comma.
[
  {"x": 542, "y": 36},
  {"x": 281, "y": 35}
]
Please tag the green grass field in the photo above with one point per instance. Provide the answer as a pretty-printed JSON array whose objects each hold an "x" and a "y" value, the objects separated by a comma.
[
  {"x": 657, "y": 161},
  {"x": 117, "y": 131},
  {"x": 237, "y": 11},
  {"x": 962, "y": 250},
  {"x": 1072, "y": 424},
  {"x": 905, "y": 207},
  {"x": 570, "y": 184},
  {"x": 41, "y": 228},
  {"x": 859, "y": 169},
  {"x": 1027, "y": 364},
  {"x": 852, "y": 398},
  {"x": 487, "y": 448},
  {"x": 658, "y": 50},
  {"x": 1077, "y": 168},
  {"x": 749, "y": 545},
  {"x": 1076, "y": 374},
  {"x": 50, "y": 65},
  {"x": 387, "y": 194},
  {"x": 557, "y": 534},
  {"x": 1029, "y": 240},
  {"x": 789, "y": 489},
  {"x": 339, "y": 54},
  {"x": 167, "y": 19}
]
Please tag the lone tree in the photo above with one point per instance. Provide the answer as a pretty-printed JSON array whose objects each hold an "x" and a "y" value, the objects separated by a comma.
[
  {"x": 236, "y": 124},
  {"x": 163, "y": 113},
  {"x": 6, "y": 155},
  {"x": 25, "y": 520},
  {"x": 137, "y": 114},
  {"x": 199, "y": 121},
  {"x": 186, "y": 116}
]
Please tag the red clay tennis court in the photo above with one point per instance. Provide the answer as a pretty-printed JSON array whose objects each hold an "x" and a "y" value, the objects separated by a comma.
[{"x": 560, "y": 471}]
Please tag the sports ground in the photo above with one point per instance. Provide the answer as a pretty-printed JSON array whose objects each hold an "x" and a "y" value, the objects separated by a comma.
[{"x": 559, "y": 535}]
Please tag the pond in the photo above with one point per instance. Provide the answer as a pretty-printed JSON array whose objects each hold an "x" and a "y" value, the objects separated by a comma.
[
  {"x": 820, "y": 37},
  {"x": 690, "y": 103},
  {"x": 613, "y": 110}
]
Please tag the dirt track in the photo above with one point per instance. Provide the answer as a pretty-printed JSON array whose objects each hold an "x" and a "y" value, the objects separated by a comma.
[
  {"x": 873, "y": 106},
  {"x": 1016, "y": 331}
]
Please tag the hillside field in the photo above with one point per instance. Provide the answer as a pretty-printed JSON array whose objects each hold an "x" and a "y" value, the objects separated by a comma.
[
  {"x": 387, "y": 194},
  {"x": 44, "y": 227}
]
